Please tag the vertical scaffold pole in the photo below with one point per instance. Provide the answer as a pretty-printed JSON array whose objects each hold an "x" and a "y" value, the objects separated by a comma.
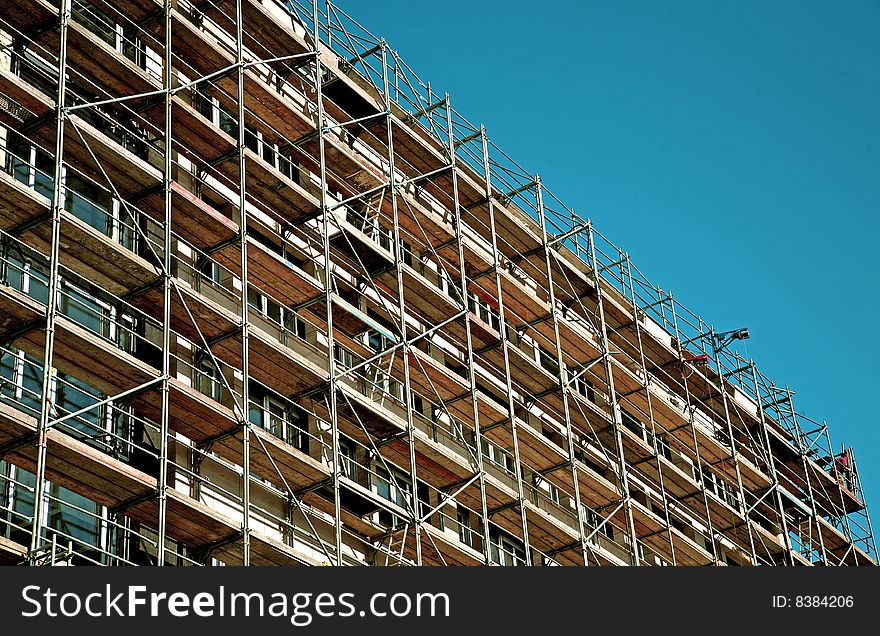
[
  {"x": 166, "y": 300},
  {"x": 813, "y": 510},
  {"x": 469, "y": 345},
  {"x": 64, "y": 9},
  {"x": 245, "y": 319},
  {"x": 772, "y": 465},
  {"x": 616, "y": 417},
  {"x": 398, "y": 266},
  {"x": 733, "y": 454},
  {"x": 328, "y": 281},
  {"x": 843, "y": 515},
  {"x": 502, "y": 318},
  {"x": 563, "y": 370},
  {"x": 650, "y": 404},
  {"x": 692, "y": 426}
]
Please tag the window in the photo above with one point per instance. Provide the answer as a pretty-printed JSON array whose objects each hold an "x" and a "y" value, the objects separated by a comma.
[
  {"x": 724, "y": 491},
  {"x": 593, "y": 519},
  {"x": 264, "y": 305},
  {"x": 209, "y": 107},
  {"x": 95, "y": 21},
  {"x": 73, "y": 517},
  {"x": 33, "y": 69},
  {"x": 379, "y": 341},
  {"x": 379, "y": 379},
  {"x": 369, "y": 226},
  {"x": 398, "y": 491},
  {"x": 418, "y": 404},
  {"x": 585, "y": 387},
  {"x": 348, "y": 461},
  {"x": 547, "y": 361},
  {"x": 294, "y": 324},
  {"x": 636, "y": 426},
  {"x": 97, "y": 315},
  {"x": 30, "y": 165},
  {"x": 72, "y": 395},
  {"x": 83, "y": 198},
  {"x": 505, "y": 549},
  {"x": 268, "y": 413},
  {"x": 498, "y": 457},
  {"x": 407, "y": 255},
  {"x": 344, "y": 358},
  {"x": 663, "y": 447},
  {"x": 271, "y": 154},
  {"x": 20, "y": 273},
  {"x": 272, "y": 414},
  {"x": 23, "y": 379},
  {"x": 208, "y": 377},
  {"x": 465, "y": 534},
  {"x": 211, "y": 273},
  {"x": 84, "y": 309},
  {"x": 554, "y": 494},
  {"x": 484, "y": 311}
]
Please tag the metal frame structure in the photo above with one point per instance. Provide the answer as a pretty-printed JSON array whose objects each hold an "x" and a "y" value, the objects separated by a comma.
[{"x": 267, "y": 298}]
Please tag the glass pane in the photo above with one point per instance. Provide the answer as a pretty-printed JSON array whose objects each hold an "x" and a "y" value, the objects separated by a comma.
[
  {"x": 89, "y": 203},
  {"x": 250, "y": 139},
  {"x": 228, "y": 124},
  {"x": 31, "y": 384},
  {"x": 8, "y": 363},
  {"x": 44, "y": 177},
  {"x": 84, "y": 310},
  {"x": 255, "y": 300},
  {"x": 13, "y": 272},
  {"x": 73, "y": 395},
  {"x": 23, "y": 503},
  {"x": 19, "y": 158},
  {"x": 65, "y": 516},
  {"x": 255, "y": 414},
  {"x": 273, "y": 311},
  {"x": 95, "y": 22}
]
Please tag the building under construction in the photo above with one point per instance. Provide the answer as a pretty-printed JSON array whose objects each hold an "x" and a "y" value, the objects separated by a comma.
[{"x": 266, "y": 298}]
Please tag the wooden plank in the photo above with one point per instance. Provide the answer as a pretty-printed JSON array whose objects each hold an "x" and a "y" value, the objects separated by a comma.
[
  {"x": 287, "y": 370},
  {"x": 17, "y": 310},
  {"x": 91, "y": 359},
  {"x": 11, "y": 553},
  {"x": 18, "y": 202},
  {"x": 195, "y": 317},
  {"x": 96, "y": 64},
  {"x": 95, "y": 256},
  {"x": 269, "y": 272}
]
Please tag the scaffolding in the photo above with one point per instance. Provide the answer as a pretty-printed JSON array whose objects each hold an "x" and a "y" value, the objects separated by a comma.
[{"x": 266, "y": 298}]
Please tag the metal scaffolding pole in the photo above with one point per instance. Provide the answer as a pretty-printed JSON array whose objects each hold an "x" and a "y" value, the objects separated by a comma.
[
  {"x": 870, "y": 544},
  {"x": 692, "y": 425},
  {"x": 813, "y": 510},
  {"x": 64, "y": 10},
  {"x": 166, "y": 296},
  {"x": 245, "y": 318},
  {"x": 398, "y": 267},
  {"x": 563, "y": 370},
  {"x": 772, "y": 465},
  {"x": 469, "y": 345},
  {"x": 328, "y": 280},
  {"x": 647, "y": 389},
  {"x": 733, "y": 454},
  {"x": 496, "y": 266},
  {"x": 844, "y": 516},
  {"x": 613, "y": 400}
]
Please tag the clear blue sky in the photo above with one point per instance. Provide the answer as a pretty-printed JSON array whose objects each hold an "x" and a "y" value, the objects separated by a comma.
[{"x": 732, "y": 149}]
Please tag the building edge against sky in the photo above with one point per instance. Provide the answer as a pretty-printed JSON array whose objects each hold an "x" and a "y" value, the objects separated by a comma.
[{"x": 433, "y": 360}]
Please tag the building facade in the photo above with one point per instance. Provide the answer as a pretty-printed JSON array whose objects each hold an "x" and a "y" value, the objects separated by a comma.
[{"x": 250, "y": 262}]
